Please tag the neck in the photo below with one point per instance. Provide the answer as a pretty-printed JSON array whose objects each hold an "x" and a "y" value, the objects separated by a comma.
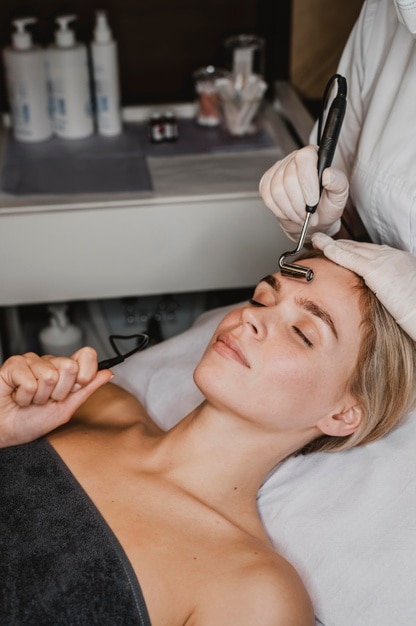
[{"x": 223, "y": 459}]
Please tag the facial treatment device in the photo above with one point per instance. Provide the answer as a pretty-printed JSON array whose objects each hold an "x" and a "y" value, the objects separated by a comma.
[{"x": 327, "y": 141}]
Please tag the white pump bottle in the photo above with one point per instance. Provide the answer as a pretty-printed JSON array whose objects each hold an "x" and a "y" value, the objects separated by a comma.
[
  {"x": 67, "y": 64},
  {"x": 106, "y": 78},
  {"x": 27, "y": 85},
  {"x": 60, "y": 338}
]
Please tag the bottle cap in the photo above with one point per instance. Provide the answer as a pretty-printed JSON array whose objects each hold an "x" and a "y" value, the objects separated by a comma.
[
  {"x": 64, "y": 36},
  {"x": 102, "y": 31},
  {"x": 22, "y": 39}
]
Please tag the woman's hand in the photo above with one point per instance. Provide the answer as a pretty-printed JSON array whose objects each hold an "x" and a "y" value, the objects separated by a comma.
[
  {"x": 37, "y": 394},
  {"x": 390, "y": 273},
  {"x": 292, "y": 184}
]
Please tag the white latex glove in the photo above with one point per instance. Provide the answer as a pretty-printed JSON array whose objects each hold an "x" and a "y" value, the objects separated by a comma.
[
  {"x": 292, "y": 183},
  {"x": 390, "y": 273}
]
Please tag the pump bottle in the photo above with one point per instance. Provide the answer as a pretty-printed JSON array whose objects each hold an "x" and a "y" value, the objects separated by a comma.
[
  {"x": 106, "y": 78},
  {"x": 61, "y": 337},
  {"x": 27, "y": 85},
  {"x": 67, "y": 65}
]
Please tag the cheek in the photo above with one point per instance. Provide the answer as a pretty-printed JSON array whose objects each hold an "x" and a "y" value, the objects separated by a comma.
[
  {"x": 299, "y": 387},
  {"x": 285, "y": 386},
  {"x": 278, "y": 386}
]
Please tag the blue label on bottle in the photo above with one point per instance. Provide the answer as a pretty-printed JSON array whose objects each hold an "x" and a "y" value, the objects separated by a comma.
[
  {"x": 103, "y": 104},
  {"x": 60, "y": 106},
  {"x": 26, "y": 113}
]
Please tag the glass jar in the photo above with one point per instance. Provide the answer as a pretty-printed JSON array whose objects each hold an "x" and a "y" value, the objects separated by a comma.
[{"x": 208, "y": 103}]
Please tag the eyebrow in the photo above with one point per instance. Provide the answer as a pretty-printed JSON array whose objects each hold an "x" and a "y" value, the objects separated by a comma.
[{"x": 304, "y": 303}]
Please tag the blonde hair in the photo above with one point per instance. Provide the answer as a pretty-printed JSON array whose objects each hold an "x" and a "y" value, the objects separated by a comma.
[{"x": 384, "y": 378}]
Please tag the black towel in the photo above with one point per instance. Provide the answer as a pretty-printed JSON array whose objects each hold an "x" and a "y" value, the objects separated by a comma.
[{"x": 60, "y": 563}]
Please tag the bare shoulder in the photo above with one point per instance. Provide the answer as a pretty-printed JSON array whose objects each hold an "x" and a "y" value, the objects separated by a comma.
[
  {"x": 110, "y": 406},
  {"x": 269, "y": 593}
]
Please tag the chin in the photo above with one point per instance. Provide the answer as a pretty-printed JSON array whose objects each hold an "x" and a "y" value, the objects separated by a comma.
[
  {"x": 202, "y": 376},
  {"x": 211, "y": 382}
]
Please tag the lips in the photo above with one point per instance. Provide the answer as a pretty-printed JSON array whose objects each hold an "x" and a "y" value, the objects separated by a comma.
[{"x": 227, "y": 346}]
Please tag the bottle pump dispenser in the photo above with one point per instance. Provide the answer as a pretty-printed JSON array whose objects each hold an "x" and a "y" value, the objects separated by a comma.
[
  {"x": 69, "y": 83},
  {"x": 21, "y": 38},
  {"x": 60, "y": 338},
  {"x": 27, "y": 85}
]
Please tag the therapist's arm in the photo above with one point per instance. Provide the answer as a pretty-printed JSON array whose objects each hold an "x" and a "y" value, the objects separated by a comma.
[{"x": 38, "y": 394}]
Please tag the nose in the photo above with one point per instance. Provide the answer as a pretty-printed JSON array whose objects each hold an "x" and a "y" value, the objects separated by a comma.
[{"x": 253, "y": 319}]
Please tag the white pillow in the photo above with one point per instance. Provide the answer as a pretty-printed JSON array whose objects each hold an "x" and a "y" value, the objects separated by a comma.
[{"x": 346, "y": 520}]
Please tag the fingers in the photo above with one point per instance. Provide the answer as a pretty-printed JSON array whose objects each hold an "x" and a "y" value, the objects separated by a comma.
[
  {"x": 336, "y": 187},
  {"x": 65, "y": 409},
  {"x": 74, "y": 372},
  {"x": 291, "y": 184},
  {"x": 28, "y": 423},
  {"x": 66, "y": 375},
  {"x": 19, "y": 379},
  {"x": 87, "y": 364},
  {"x": 335, "y": 182},
  {"x": 333, "y": 200},
  {"x": 321, "y": 241},
  {"x": 31, "y": 379},
  {"x": 353, "y": 255},
  {"x": 306, "y": 169},
  {"x": 362, "y": 248}
]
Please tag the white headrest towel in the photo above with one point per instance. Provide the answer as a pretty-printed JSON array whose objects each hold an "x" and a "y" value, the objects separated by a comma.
[{"x": 346, "y": 521}]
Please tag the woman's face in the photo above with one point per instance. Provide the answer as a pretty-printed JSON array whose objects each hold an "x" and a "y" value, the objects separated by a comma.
[{"x": 285, "y": 358}]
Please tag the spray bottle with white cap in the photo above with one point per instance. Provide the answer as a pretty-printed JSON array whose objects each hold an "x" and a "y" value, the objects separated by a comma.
[
  {"x": 67, "y": 64},
  {"x": 27, "y": 85},
  {"x": 106, "y": 77}
]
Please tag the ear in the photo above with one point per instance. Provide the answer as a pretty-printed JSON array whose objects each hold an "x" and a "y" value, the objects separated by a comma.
[{"x": 343, "y": 423}]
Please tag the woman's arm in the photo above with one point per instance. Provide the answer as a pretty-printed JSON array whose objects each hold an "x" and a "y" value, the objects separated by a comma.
[{"x": 38, "y": 394}]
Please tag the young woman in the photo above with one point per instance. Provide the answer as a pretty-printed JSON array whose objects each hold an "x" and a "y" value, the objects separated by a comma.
[{"x": 110, "y": 502}]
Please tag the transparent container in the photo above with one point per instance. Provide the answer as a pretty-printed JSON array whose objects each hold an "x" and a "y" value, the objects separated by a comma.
[
  {"x": 245, "y": 55},
  {"x": 208, "y": 103}
]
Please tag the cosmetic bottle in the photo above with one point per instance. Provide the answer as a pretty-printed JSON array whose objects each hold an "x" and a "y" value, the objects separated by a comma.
[
  {"x": 26, "y": 82},
  {"x": 106, "y": 78},
  {"x": 171, "y": 127},
  {"x": 68, "y": 73},
  {"x": 61, "y": 337}
]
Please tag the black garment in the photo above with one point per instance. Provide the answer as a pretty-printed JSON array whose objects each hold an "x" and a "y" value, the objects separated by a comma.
[{"x": 60, "y": 563}]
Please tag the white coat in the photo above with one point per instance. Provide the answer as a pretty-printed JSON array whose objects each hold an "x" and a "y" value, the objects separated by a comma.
[{"x": 377, "y": 145}]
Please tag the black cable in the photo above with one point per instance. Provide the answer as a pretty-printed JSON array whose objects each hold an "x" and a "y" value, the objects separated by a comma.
[{"x": 143, "y": 340}]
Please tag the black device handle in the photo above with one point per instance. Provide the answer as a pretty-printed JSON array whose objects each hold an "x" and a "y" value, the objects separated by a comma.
[{"x": 328, "y": 139}]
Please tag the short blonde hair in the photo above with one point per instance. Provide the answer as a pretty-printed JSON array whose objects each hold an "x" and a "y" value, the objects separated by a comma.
[{"x": 384, "y": 379}]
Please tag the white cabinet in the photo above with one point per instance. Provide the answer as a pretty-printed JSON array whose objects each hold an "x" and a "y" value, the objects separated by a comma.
[{"x": 202, "y": 227}]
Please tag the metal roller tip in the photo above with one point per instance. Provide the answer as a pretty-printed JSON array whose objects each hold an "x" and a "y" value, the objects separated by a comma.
[{"x": 295, "y": 271}]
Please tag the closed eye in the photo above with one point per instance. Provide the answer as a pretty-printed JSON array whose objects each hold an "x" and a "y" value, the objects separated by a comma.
[
  {"x": 255, "y": 302},
  {"x": 297, "y": 330},
  {"x": 303, "y": 337}
]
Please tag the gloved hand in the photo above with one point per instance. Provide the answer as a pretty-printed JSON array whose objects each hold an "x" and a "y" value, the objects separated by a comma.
[
  {"x": 390, "y": 273},
  {"x": 37, "y": 394},
  {"x": 292, "y": 183}
]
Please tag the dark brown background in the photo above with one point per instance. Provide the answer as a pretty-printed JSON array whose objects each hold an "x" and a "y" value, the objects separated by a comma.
[{"x": 162, "y": 42}]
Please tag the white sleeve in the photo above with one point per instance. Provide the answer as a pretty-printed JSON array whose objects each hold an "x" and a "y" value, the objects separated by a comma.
[{"x": 352, "y": 66}]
